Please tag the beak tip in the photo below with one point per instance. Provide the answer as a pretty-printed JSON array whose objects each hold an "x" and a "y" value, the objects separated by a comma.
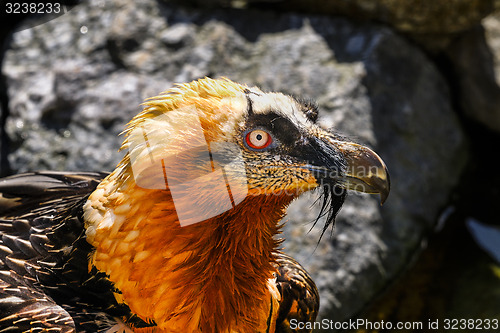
[
  {"x": 366, "y": 171},
  {"x": 383, "y": 197},
  {"x": 384, "y": 192}
]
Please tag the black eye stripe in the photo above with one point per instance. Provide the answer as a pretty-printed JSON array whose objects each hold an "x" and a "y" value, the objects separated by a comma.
[
  {"x": 249, "y": 105},
  {"x": 309, "y": 107},
  {"x": 278, "y": 126}
]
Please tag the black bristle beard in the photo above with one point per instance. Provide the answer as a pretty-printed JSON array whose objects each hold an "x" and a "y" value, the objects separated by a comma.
[{"x": 332, "y": 198}]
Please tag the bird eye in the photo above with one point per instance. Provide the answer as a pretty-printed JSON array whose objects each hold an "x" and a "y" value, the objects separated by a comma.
[{"x": 258, "y": 139}]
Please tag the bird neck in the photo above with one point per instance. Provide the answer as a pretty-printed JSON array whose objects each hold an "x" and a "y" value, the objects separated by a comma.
[{"x": 216, "y": 275}]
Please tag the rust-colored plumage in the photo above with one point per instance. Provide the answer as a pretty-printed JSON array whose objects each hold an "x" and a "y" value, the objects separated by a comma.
[{"x": 182, "y": 235}]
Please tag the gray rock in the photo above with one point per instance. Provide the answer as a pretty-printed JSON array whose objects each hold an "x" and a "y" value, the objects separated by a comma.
[
  {"x": 480, "y": 84},
  {"x": 473, "y": 70},
  {"x": 432, "y": 24},
  {"x": 492, "y": 28},
  {"x": 72, "y": 89},
  {"x": 414, "y": 16}
]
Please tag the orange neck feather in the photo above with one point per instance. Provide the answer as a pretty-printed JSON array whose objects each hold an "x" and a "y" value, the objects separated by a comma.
[{"x": 211, "y": 276}]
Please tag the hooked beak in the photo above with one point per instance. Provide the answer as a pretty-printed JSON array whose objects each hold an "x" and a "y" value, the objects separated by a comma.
[
  {"x": 347, "y": 165},
  {"x": 338, "y": 166},
  {"x": 366, "y": 171}
]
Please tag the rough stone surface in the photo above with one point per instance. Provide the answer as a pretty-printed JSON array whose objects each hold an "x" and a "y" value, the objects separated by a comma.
[
  {"x": 431, "y": 24},
  {"x": 474, "y": 58},
  {"x": 485, "y": 108},
  {"x": 492, "y": 27},
  {"x": 74, "y": 82},
  {"x": 436, "y": 17}
]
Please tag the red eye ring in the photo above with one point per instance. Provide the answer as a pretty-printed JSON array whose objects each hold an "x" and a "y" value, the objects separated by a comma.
[{"x": 258, "y": 139}]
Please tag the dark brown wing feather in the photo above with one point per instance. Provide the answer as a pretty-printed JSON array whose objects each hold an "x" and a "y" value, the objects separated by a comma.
[
  {"x": 299, "y": 295},
  {"x": 44, "y": 278},
  {"x": 20, "y": 194}
]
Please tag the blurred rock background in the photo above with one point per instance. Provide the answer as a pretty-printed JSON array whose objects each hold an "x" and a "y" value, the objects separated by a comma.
[{"x": 416, "y": 80}]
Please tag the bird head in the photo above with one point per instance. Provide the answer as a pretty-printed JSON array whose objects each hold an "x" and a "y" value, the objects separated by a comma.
[
  {"x": 189, "y": 217},
  {"x": 214, "y": 143}
]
